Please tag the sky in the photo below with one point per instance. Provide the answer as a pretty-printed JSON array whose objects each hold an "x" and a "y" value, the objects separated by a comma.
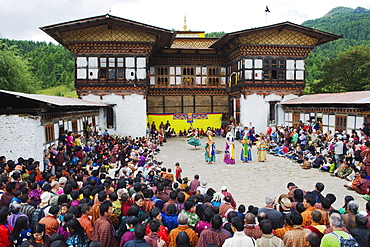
[{"x": 21, "y": 19}]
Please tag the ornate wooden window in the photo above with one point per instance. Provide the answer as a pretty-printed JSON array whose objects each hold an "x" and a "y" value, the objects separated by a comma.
[
  {"x": 273, "y": 69},
  {"x": 188, "y": 76},
  {"x": 214, "y": 76},
  {"x": 162, "y": 76},
  {"x": 49, "y": 133},
  {"x": 111, "y": 68}
]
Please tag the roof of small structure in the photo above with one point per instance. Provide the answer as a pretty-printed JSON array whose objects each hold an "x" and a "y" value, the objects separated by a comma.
[
  {"x": 356, "y": 97},
  {"x": 321, "y": 36},
  {"x": 54, "y": 100}
]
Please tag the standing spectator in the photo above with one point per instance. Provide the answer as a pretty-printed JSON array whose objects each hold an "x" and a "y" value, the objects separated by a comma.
[
  {"x": 153, "y": 238},
  {"x": 39, "y": 238},
  {"x": 78, "y": 236},
  {"x": 178, "y": 171},
  {"x": 194, "y": 184},
  {"x": 239, "y": 238},
  {"x": 214, "y": 235},
  {"x": 183, "y": 227},
  {"x": 8, "y": 195},
  {"x": 349, "y": 218},
  {"x": 331, "y": 239},
  {"x": 251, "y": 228},
  {"x": 225, "y": 193},
  {"x": 361, "y": 233},
  {"x": 139, "y": 238},
  {"x": 273, "y": 215},
  {"x": 50, "y": 221},
  {"x": 103, "y": 231},
  {"x": 5, "y": 228},
  {"x": 297, "y": 236},
  {"x": 268, "y": 239},
  {"x": 85, "y": 220}
]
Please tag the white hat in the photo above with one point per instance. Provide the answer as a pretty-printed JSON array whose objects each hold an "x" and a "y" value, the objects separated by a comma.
[
  {"x": 223, "y": 188},
  {"x": 204, "y": 183},
  {"x": 45, "y": 197}
]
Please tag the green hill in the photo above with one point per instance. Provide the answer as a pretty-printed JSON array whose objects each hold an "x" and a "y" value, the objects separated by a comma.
[
  {"x": 354, "y": 27},
  {"x": 51, "y": 65}
]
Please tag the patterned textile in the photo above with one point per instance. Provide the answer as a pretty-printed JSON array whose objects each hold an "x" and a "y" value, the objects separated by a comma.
[
  {"x": 296, "y": 237},
  {"x": 213, "y": 236},
  {"x": 253, "y": 231},
  {"x": 191, "y": 234},
  {"x": 269, "y": 240},
  {"x": 349, "y": 220},
  {"x": 51, "y": 224},
  {"x": 103, "y": 232},
  {"x": 76, "y": 241}
]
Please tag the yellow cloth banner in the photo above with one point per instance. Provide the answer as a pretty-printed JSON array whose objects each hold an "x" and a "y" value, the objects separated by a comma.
[{"x": 212, "y": 120}]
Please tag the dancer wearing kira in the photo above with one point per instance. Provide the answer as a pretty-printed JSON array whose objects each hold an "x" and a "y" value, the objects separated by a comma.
[
  {"x": 246, "y": 154},
  {"x": 210, "y": 147},
  {"x": 194, "y": 139},
  {"x": 261, "y": 149},
  {"x": 229, "y": 156}
]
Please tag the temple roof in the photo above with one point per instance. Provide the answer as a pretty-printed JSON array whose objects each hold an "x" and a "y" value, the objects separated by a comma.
[
  {"x": 164, "y": 36},
  {"x": 285, "y": 33},
  {"x": 322, "y": 37}
]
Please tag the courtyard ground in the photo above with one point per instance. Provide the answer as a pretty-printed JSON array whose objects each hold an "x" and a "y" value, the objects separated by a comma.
[{"x": 249, "y": 182}]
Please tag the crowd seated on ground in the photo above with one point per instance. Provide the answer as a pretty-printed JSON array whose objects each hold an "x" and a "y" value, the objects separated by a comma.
[{"x": 110, "y": 191}]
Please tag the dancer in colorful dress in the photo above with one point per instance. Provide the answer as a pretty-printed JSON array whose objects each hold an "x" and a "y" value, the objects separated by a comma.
[
  {"x": 194, "y": 139},
  {"x": 210, "y": 147},
  {"x": 261, "y": 149},
  {"x": 246, "y": 154},
  {"x": 229, "y": 157}
]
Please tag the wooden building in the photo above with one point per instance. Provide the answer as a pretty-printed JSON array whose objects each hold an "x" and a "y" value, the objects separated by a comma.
[
  {"x": 336, "y": 111},
  {"x": 29, "y": 123},
  {"x": 143, "y": 69}
]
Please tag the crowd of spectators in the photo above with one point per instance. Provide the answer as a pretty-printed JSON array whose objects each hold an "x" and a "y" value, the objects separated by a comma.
[{"x": 106, "y": 190}]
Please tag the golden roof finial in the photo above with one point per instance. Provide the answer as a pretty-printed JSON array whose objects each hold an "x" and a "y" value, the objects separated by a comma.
[{"x": 185, "y": 27}]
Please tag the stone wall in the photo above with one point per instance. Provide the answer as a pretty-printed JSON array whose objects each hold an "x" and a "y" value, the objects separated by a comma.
[
  {"x": 21, "y": 136},
  {"x": 129, "y": 113}
]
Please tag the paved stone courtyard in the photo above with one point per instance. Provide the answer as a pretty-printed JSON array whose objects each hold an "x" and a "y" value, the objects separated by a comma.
[{"x": 249, "y": 182}]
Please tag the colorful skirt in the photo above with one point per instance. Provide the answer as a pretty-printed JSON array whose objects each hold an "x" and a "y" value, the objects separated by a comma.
[{"x": 194, "y": 142}]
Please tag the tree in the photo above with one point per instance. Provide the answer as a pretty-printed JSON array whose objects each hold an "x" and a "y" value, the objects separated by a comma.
[
  {"x": 350, "y": 71},
  {"x": 15, "y": 71}
]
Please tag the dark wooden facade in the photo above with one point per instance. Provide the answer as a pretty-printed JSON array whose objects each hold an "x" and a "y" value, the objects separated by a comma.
[{"x": 185, "y": 74}]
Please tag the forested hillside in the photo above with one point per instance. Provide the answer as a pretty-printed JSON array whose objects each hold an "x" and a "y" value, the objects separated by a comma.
[
  {"x": 354, "y": 27},
  {"x": 51, "y": 65}
]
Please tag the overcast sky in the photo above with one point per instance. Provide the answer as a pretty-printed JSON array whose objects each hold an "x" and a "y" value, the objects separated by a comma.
[{"x": 21, "y": 19}]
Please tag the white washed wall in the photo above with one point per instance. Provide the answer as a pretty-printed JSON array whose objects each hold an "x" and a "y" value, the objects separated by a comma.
[
  {"x": 129, "y": 113},
  {"x": 21, "y": 137},
  {"x": 254, "y": 110}
]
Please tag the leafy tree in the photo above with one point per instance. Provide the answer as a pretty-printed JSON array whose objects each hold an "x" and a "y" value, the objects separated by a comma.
[
  {"x": 214, "y": 34},
  {"x": 15, "y": 71},
  {"x": 350, "y": 71}
]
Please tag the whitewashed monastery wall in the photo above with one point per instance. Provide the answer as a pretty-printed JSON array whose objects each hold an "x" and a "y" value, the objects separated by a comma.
[
  {"x": 254, "y": 110},
  {"x": 129, "y": 113},
  {"x": 21, "y": 136}
]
